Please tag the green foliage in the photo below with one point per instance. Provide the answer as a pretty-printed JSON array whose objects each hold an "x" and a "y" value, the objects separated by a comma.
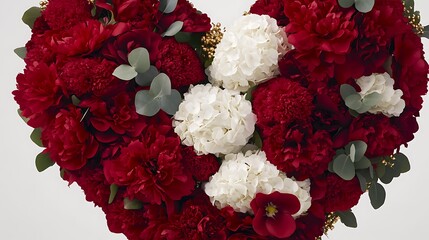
[
  {"x": 43, "y": 161},
  {"x": 36, "y": 137},
  {"x": 350, "y": 159},
  {"x": 426, "y": 32},
  {"x": 377, "y": 194},
  {"x": 21, "y": 52},
  {"x": 22, "y": 117},
  {"x": 144, "y": 79},
  {"x": 31, "y": 15},
  {"x": 362, "y": 6},
  {"x": 167, "y": 6},
  {"x": 75, "y": 100},
  {"x": 139, "y": 59},
  {"x": 356, "y": 102},
  {"x": 347, "y": 218},
  {"x": 132, "y": 204},
  {"x": 125, "y": 72},
  {"x": 173, "y": 29},
  {"x": 257, "y": 140},
  {"x": 113, "y": 192}
]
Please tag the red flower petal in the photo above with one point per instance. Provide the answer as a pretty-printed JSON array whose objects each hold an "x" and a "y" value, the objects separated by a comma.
[{"x": 281, "y": 226}]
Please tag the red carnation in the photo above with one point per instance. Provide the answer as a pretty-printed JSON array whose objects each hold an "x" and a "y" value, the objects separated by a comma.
[
  {"x": 61, "y": 14},
  {"x": 92, "y": 76},
  {"x": 151, "y": 168},
  {"x": 39, "y": 49},
  {"x": 67, "y": 141},
  {"x": 180, "y": 62},
  {"x": 341, "y": 195},
  {"x": 38, "y": 92},
  {"x": 201, "y": 167},
  {"x": 139, "y": 14},
  {"x": 273, "y": 214},
  {"x": 281, "y": 101},
  {"x": 272, "y": 8}
]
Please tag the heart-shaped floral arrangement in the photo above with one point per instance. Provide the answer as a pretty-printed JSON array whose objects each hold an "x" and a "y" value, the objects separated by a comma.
[{"x": 272, "y": 129}]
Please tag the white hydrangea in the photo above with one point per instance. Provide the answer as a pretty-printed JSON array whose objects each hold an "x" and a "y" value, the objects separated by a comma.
[
  {"x": 214, "y": 120},
  {"x": 248, "y": 53},
  {"x": 242, "y": 176},
  {"x": 390, "y": 103}
]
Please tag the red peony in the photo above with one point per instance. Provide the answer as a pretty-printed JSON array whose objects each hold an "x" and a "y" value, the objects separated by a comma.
[
  {"x": 137, "y": 13},
  {"x": 272, "y": 8},
  {"x": 151, "y": 168},
  {"x": 39, "y": 50},
  {"x": 200, "y": 166},
  {"x": 180, "y": 62},
  {"x": 273, "y": 214},
  {"x": 61, "y": 14},
  {"x": 341, "y": 195},
  {"x": 38, "y": 92},
  {"x": 66, "y": 140}
]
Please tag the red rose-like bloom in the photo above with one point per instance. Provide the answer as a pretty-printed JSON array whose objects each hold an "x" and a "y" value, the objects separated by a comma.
[
  {"x": 60, "y": 14},
  {"x": 272, "y": 8},
  {"x": 90, "y": 76},
  {"x": 140, "y": 14},
  {"x": 281, "y": 101},
  {"x": 341, "y": 195},
  {"x": 38, "y": 90},
  {"x": 371, "y": 129},
  {"x": 273, "y": 214},
  {"x": 185, "y": 12},
  {"x": 67, "y": 141},
  {"x": 201, "y": 167},
  {"x": 39, "y": 49},
  {"x": 180, "y": 62},
  {"x": 82, "y": 39},
  {"x": 151, "y": 169}
]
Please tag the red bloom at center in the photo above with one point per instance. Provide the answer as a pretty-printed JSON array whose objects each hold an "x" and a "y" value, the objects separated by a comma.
[{"x": 273, "y": 214}]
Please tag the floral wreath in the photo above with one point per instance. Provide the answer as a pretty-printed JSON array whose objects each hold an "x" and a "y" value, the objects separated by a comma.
[{"x": 177, "y": 129}]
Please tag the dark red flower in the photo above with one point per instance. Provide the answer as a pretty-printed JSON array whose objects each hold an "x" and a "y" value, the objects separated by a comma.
[
  {"x": 272, "y": 8},
  {"x": 39, "y": 49},
  {"x": 139, "y": 14},
  {"x": 273, "y": 214},
  {"x": 151, "y": 169},
  {"x": 38, "y": 92},
  {"x": 92, "y": 76},
  {"x": 180, "y": 62},
  {"x": 200, "y": 166},
  {"x": 66, "y": 140},
  {"x": 61, "y": 14},
  {"x": 341, "y": 195}
]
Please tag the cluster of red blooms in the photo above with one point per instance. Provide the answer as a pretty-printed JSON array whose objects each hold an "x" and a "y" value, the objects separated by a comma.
[{"x": 101, "y": 140}]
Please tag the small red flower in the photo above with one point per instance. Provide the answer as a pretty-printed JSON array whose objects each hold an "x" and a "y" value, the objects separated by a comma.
[{"x": 273, "y": 214}]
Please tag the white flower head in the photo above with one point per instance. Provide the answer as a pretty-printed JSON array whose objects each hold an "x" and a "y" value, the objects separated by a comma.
[
  {"x": 248, "y": 53},
  {"x": 391, "y": 104},
  {"x": 242, "y": 176},
  {"x": 214, "y": 120}
]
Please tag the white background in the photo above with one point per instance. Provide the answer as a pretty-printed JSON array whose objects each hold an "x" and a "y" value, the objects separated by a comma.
[{"x": 40, "y": 206}]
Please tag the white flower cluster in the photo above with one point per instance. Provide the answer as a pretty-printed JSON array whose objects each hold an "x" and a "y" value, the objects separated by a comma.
[
  {"x": 390, "y": 103},
  {"x": 214, "y": 120},
  {"x": 242, "y": 176},
  {"x": 248, "y": 53}
]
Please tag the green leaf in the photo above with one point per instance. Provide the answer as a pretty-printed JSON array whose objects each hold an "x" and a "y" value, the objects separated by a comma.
[
  {"x": 364, "y": 6},
  {"x": 362, "y": 181},
  {"x": 36, "y": 137},
  {"x": 144, "y": 79},
  {"x": 75, "y": 100},
  {"x": 43, "y": 161},
  {"x": 377, "y": 195},
  {"x": 173, "y": 29},
  {"x": 170, "y": 103},
  {"x": 354, "y": 102},
  {"x": 371, "y": 99},
  {"x": 125, "y": 72},
  {"x": 344, "y": 167},
  {"x": 249, "y": 93},
  {"x": 380, "y": 170},
  {"x": 31, "y": 15},
  {"x": 403, "y": 163},
  {"x": 347, "y": 90},
  {"x": 21, "y": 52},
  {"x": 146, "y": 103},
  {"x": 22, "y": 117},
  {"x": 348, "y": 218},
  {"x": 62, "y": 173},
  {"x": 167, "y": 6},
  {"x": 331, "y": 166},
  {"x": 139, "y": 59},
  {"x": 132, "y": 204},
  {"x": 160, "y": 85},
  {"x": 346, "y": 3},
  {"x": 363, "y": 163},
  {"x": 183, "y": 37},
  {"x": 113, "y": 192},
  {"x": 426, "y": 32},
  {"x": 409, "y": 4},
  {"x": 388, "y": 175},
  {"x": 360, "y": 149}
]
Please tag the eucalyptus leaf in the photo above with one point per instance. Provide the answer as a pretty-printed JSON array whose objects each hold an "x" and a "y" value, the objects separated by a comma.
[
  {"x": 43, "y": 161},
  {"x": 170, "y": 103},
  {"x": 36, "y": 137},
  {"x": 362, "y": 181},
  {"x": 354, "y": 102},
  {"x": 21, "y": 52},
  {"x": 173, "y": 29},
  {"x": 364, "y": 6},
  {"x": 132, "y": 204},
  {"x": 347, "y": 90},
  {"x": 346, "y": 3},
  {"x": 352, "y": 152},
  {"x": 363, "y": 163},
  {"x": 343, "y": 167},
  {"x": 409, "y": 4},
  {"x": 372, "y": 99},
  {"x": 371, "y": 172},
  {"x": 361, "y": 147},
  {"x": 125, "y": 72},
  {"x": 403, "y": 162},
  {"x": 331, "y": 166},
  {"x": 388, "y": 176},
  {"x": 113, "y": 192},
  {"x": 146, "y": 103},
  {"x": 257, "y": 140},
  {"x": 75, "y": 100},
  {"x": 160, "y": 85},
  {"x": 380, "y": 170},
  {"x": 144, "y": 79},
  {"x": 183, "y": 37},
  {"x": 167, "y": 6},
  {"x": 139, "y": 59},
  {"x": 348, "y": 218},
  {"x": 22, "y": 117},
  {"x": 426, "y": 32},
  {"x": 31, "y": 15},
  {"x": 377, "y": 195}
]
